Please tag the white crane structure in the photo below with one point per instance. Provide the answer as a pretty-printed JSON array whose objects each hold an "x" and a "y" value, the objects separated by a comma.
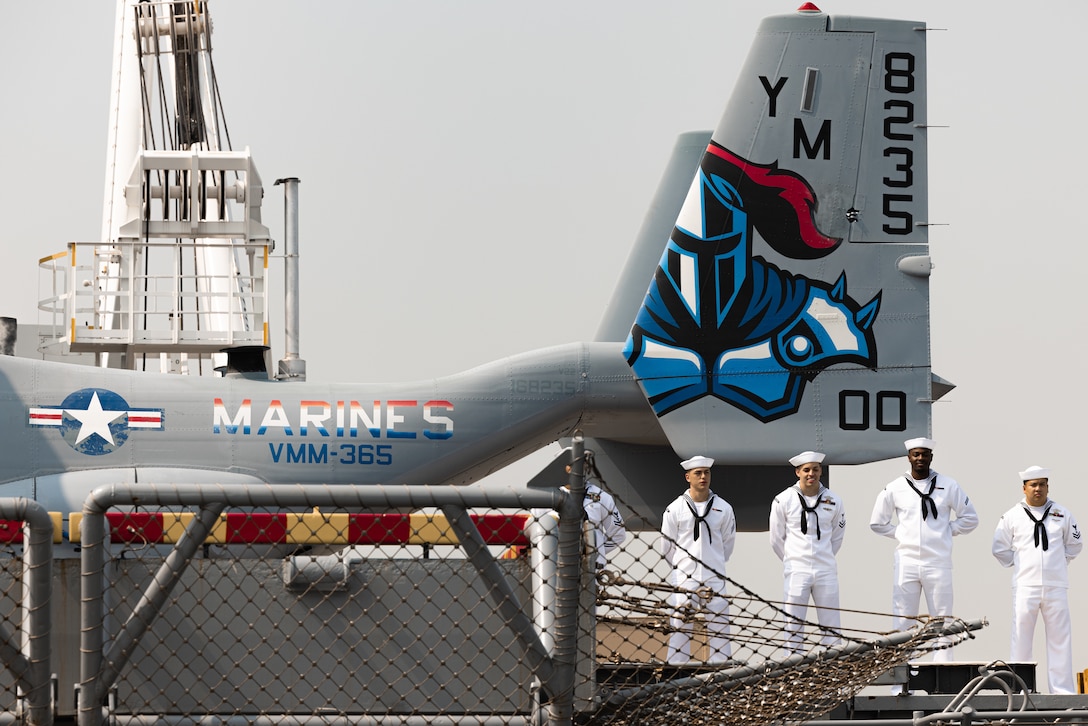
[{"x": 179, "y": 272}]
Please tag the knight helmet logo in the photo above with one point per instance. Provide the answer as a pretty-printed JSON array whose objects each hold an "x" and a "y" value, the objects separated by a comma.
[{"x": 719, "y": 322}]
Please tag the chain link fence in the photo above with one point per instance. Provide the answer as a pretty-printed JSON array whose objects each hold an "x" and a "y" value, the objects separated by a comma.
[
  {"x": 11, "y": 623},
  {"x": 380, "y": 627},
  {"x": 416, "y": 605}
]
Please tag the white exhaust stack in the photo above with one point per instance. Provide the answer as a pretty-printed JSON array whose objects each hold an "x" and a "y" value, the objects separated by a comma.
[{"x": 291, "y": 366}]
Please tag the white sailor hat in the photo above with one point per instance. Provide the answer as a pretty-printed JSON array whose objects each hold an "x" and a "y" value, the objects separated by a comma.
[
  {"x": 919, "y": 443},
  {"x": 697, "y": 462},
  {"x": 807, "y": 457},
  {"x": 1034, "y": 472}
]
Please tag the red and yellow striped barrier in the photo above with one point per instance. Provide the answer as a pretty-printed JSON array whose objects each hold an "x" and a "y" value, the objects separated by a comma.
[
  {"x": 11, "y": 530},
  {"x": 314, "y": 527}
]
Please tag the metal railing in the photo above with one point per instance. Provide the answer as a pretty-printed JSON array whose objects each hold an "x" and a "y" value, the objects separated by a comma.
[
  {"x": 271, "y": 631},
  {"x": 165, "y": 304}
]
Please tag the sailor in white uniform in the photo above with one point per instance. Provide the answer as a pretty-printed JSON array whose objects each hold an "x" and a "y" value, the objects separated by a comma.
[
  {"x": 807, "y": 525},
  {"x": 923, "y": 511},
  {"x": 1040, "y": 537},
  {"x": 609, "y": 530},
  {"x": 698, "y": 532}
]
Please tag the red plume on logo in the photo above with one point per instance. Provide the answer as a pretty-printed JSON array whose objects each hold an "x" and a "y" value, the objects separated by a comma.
[{"x": 779, "y": 203}]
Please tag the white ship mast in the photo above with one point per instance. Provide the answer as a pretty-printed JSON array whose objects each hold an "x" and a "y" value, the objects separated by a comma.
[{"x": 179, "y": 273}]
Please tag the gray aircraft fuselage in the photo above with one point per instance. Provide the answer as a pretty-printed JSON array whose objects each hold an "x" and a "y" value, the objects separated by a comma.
[{"x": 787, "y": 308}]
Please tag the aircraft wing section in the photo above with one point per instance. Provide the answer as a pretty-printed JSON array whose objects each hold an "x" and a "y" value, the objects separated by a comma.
[{"x": 790, "y": 309}]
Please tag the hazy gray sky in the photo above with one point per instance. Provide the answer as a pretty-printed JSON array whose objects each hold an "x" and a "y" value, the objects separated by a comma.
[{"x": 474, "y": 173}]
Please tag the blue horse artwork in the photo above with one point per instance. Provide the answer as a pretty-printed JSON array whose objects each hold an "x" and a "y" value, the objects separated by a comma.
[{"x": 717, "y": 321}]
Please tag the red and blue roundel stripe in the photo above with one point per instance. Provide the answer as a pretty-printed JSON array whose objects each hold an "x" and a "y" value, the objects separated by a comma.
[{"x": 96, "y": 421}]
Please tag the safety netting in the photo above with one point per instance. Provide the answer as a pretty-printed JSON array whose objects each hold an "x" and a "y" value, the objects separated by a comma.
[
  {"x": 743, "y": 657},
  {"x": 774, "y": 674}
]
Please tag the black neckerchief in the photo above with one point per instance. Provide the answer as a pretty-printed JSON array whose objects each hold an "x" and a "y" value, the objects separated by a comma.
[
  {"x": 700, "y": 520},
  {"x": 805, "y": 509},
  {"x": 1040, "y": 530},
  {"x": 927, "y": 497}
]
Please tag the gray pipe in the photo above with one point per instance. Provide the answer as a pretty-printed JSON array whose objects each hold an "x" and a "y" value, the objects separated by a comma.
[
  {"x": 560, "y": 687},
  {"x": 291, "y": 366},
  {"x": 38, "y": 581},
  {"x": 542, "y": 528},
  {"x": 967, "y": 716},
  {"x": 316, "y": 495},
  {"x": 323, "y": 720}
]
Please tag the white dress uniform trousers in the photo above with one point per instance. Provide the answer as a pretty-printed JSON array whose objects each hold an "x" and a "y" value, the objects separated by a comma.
[
  {"x": 918, "y": 514},
  {"x": 697, "y": 540},
  {"x": 806, "y": 534},
  {"x": 1040, "y": 542}
]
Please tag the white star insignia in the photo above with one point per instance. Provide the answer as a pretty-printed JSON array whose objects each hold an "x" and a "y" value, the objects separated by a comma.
[{"x": 94, "y": 420}]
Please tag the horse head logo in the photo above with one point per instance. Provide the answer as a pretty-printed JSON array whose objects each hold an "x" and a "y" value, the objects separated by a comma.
[
  {"x": 718, "y": 321},
  {"x": 829, "y": 330}
]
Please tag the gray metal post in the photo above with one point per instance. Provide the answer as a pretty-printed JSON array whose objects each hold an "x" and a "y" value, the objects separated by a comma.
[
  {"x": 91, "y": 612},
  {"x": 560, "y": 688},
  {"x": 38, "y": 576},
  {"x": 32, "y": 670}
]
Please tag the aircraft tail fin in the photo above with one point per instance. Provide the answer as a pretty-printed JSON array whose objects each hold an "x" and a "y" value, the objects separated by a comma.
[{"x": 790, "y": 307}]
